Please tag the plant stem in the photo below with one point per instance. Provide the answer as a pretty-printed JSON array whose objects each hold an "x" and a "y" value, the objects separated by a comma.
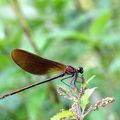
[{"x": 24, "y": 25}]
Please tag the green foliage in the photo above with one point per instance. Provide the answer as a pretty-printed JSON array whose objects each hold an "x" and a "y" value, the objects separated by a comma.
[
  {"x": 62, "y": 115},
  {"x": 100, "y": 24},
  {"x": 63, "y": 31},
  {"x": 85, "y": 98},
  {"x": 88, "y": 81}
]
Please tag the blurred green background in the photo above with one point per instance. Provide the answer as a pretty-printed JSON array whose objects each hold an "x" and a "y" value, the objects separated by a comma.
[{"x": 74, "y": 32}]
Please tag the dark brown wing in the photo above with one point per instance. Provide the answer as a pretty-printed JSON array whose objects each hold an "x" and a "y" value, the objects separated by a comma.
[{"x": 35, "y": 64}]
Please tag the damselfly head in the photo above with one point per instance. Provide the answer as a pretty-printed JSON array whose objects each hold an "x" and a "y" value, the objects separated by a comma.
[{"x": 80, "y": 70}]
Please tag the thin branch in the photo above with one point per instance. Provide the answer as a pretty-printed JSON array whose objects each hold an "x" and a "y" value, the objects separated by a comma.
[
  {"x": 102, "y": 103},
  {"x": 25, "y": 26}
]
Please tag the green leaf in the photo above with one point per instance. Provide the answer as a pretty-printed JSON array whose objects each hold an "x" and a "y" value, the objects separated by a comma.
[
  {"x": 98, "y": 26},
  {"x": 63, "y": 114},
  {"x": 85, "y": 97},
  {"x": 87, "y": 82}
]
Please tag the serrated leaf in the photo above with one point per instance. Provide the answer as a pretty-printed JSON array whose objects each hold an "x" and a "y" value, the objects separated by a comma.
[
  {"x": 63, "y": 114},
  {"x": 85, "y": 97}
]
